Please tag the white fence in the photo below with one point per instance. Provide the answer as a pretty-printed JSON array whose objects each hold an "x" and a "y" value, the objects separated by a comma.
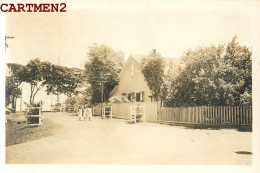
[
  {"x": 237, "y": 115},
  {"x": 122, "y": 110}
]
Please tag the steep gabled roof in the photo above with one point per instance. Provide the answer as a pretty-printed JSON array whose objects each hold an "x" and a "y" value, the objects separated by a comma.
[{"x": 137, "y": 57}]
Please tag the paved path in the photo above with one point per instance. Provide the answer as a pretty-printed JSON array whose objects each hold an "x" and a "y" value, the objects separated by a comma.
[{"x": 114, "y": 141}]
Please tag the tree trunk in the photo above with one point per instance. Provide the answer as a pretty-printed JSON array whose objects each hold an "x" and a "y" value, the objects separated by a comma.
[
  {"x": 15, "y": 98},
  {"x": 13, "y": 104}
]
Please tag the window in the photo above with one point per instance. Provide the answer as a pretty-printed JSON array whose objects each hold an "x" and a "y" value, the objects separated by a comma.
[
  {"x": 151, "y": 97},
  {"x": 138, "y": 97},
  {"x": 129, "y": 96},
  {"x": 142, "y": 96},
  {"x": 123, "y": 94},
  {"x": 132, "y": 70},
  {"x": 132, "y": 97}
]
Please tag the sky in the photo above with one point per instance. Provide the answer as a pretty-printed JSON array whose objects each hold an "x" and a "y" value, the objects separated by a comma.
[{"x": 132, "y": 31}]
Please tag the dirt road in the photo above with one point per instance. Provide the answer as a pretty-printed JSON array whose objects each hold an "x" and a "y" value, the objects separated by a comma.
[{"x": 114, "y": 141}]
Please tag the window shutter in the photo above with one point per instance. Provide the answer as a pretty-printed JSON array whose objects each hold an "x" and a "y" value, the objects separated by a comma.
[
  {"x": 138, "y": 97},
  {"x": 142, "y": 96},
  {"x": 133, "y": 96},
  {"x": 129, "y": 97}
]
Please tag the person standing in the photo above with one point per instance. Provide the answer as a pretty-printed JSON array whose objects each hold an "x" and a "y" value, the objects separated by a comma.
[
  {"x": 80, "y": 113},
  {"x": 88, "y": 113},
  {"x": 85, "y": 113}
]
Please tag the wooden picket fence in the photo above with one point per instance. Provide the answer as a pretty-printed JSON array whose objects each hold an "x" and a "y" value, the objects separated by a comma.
[{"x": 234, "y": 115}]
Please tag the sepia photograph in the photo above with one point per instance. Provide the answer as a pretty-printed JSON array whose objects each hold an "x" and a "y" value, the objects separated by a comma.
[{"x": 130, "y": 85}]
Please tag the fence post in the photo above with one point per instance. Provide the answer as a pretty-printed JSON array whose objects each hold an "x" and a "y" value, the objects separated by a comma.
[
  {"x": 247, "y": 114},
  {"x": 224, "y": 114},
  {"x": 232, "y": 113},
  {"x": 238, "y": 115},
  {"x": 241, "y": 114},
  {"x": 221, "y": 118},
  {"x": 213, "y": 114},
  {"x": 200, "y": 115},
  {"x": 250, "y": 114},
  {"x": 235, "y": 115}
]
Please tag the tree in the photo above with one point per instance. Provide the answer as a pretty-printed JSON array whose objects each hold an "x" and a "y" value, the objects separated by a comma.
[
  {"x": 213, "y": 75},
  {"x": 102, "y": 70},
  {"x": 12, "y": 83},
  {"x": 63, "y": 80},
  {"x": 194, "y": 84},
  {"x": 237, "y": 70},
  {"x": 57, "y": 79},
  {"x": 172, "y": 69},
  {"x": 153, "y": 71},
  {"x": 36, "y": 73}
]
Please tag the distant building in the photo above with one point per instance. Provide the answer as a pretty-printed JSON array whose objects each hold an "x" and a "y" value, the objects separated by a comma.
[
  {"x": 48, "y": 100},
  {"x": 8, "y": 71}
]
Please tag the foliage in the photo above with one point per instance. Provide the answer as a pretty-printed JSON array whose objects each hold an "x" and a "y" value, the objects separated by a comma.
[
  {"x": 57, "y": 79},
  {"x": 104, "y": 65},
  {"x": 78, "y": 100},
  {"x": 35, "y": 73},
  {"x": 213, "y": 75},
  {"x": 172, "y": 70},
  {"x": 153, "y": 71},
  {"x": 63, "y": 80},
  {"x": 12, "y": 83},
  {"x": 71, "y": 101}
]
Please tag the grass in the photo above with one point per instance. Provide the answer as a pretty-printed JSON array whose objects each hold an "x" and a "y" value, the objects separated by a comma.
[
  {"x": 19, "y": 132},
  {"x": 241, "y": 128}
]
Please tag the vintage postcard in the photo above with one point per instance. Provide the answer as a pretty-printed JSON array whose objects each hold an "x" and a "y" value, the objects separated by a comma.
[{"x": 157, "y": 86}]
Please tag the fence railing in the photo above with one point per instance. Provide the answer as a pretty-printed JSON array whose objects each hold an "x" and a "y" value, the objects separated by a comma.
[
  {"x": 240, "y": 115},
  {"x": 122, "y": 110}
]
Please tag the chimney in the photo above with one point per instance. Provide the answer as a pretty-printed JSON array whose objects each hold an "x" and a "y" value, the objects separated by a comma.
[{"x": 154, "y": 51}]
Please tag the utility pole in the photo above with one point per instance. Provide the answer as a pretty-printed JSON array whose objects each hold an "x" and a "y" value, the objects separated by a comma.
[
  {"x": 102, "y": 95},
  {"x": 102, "y": 89},
  {"x": 101, "y": 82},
  {"x": 21, "y": 100},
  {"x": 58, "y": 95},
  {"x": 7, "y": 37}
]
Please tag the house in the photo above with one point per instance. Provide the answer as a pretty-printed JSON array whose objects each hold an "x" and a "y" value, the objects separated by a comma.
[
  {"x": 8, "y": 71},
  {"x": 132, "y": 82}
]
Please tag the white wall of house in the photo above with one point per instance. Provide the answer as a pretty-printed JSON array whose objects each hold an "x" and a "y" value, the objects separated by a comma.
[{"x": 41, "y": 95}]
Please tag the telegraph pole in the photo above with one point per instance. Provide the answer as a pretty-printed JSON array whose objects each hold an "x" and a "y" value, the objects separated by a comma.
[
  {"x": 7, "y": 37},
  {"x": 102, "y": 95},
  {"x": 102, "y": 89},
  {"x": 101, "y": 82},
  {"x": 58, "y": 95}
]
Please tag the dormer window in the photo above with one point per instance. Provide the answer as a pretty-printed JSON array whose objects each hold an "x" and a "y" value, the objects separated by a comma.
[{"x": 132, "y": 70}]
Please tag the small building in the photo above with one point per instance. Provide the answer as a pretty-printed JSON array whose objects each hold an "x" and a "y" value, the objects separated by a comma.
[{"x": 132, "y": 83}]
